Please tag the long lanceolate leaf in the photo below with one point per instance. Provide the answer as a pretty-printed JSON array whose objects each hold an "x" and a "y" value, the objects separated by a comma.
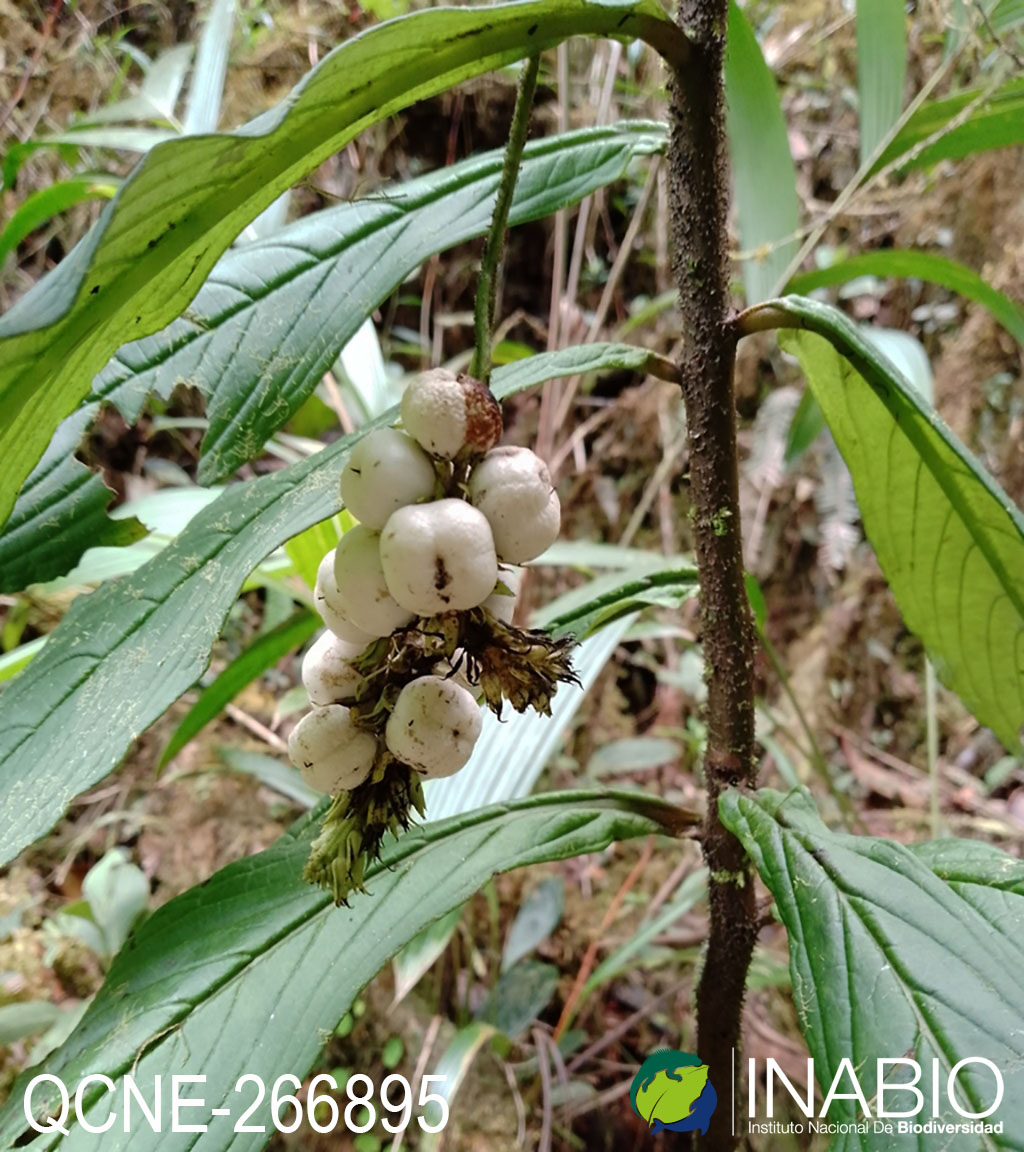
[
  {"x": 950, "y": 541},
  {"x": 249, "y": 972},
  {"x": 275, "y": 314},
  {"x": 125, "y": 653},
  {"x": 61, "y": 513},
  {"x": 767, "y": 205},
  {"x": 960, "y": 125},
  {"x": 257, "y": 342},
  {"x": 881, "y": 69},
  {"x": 156, "y": 242},
  {"x": 262, "y": 654},
  {"x": 898, "y": 953},
  {"x": 924, "y": 266}
]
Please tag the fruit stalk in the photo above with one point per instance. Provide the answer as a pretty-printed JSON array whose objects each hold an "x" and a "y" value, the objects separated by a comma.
[{"x": 494, "y": 246}]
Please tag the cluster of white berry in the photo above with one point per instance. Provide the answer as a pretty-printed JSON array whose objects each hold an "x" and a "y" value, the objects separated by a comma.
[{"x": 444, "y": 517}]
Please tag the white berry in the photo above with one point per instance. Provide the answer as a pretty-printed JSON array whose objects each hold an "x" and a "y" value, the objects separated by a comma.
[
  {"x": 328, "y": 674},
  {"x": 433, "y": 726},
  {"x": 446, "y": 414},
  {"x": 332, "y": 754},
  {"x": 328, "y": 603},
  {"x": 512, "y": 488},
  {"x": 438, "y": 557},
  {"x": 386, "y": 470},
  {"x": 362, "y": 589},
  {"x": 501, "y": 604}
]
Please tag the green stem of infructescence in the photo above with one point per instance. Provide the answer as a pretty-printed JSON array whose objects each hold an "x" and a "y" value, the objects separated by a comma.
[
  {"x": 699, "y": 202},
  {"x": 494, "y": 246}
]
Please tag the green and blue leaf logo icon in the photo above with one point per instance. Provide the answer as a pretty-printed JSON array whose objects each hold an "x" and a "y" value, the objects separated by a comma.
[{"x": 672, "y": 1091}]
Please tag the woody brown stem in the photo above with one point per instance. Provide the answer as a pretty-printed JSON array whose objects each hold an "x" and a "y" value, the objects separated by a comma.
[{"x": 699, "y": 199}]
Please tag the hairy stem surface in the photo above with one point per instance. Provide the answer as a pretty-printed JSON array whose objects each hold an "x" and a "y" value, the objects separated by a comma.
[{"x": 699, "y": 198}]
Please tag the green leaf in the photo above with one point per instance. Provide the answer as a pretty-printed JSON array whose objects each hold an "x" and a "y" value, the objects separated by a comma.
[
  {"x": 61, "y": 512},
  {"x": 455, "y": 1062},
  {"x": 536, "y": 919},
  {"x": 805, "y": 427},
  {"x": 187, "y": 199},
  {"x": 256, "y": 341},
  {"x": 767, "y": 205},
  {"x": 950, "y": 541},
  {"x": 307, "y": 549},
  {"x": 997, "y": 121},
  {"x": 881, "y": 69},
  {"x": 202, "y": 347},
  {"x": 41, "y": 206},
  {"x": 665, "y": 587},
  {"x": 923, "y": 266},
  {"x": 262, "y": 654},
  {"x": 255, "y": 935},
  {"x": 117, "y": 892},
  {"x": 26, "y": 1018},
  {"x": 520, "y": 996},
  {"x": 122, "y": 655},
  {"x": 270, "y": 772},
  {"x": 889, "y": 960},
  {"x": 976, "y": 870}
]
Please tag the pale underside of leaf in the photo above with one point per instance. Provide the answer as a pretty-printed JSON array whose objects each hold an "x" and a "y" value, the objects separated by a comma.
[
  {"x": 881, "y": 70},
  {"x": 950, "y": 542}
]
